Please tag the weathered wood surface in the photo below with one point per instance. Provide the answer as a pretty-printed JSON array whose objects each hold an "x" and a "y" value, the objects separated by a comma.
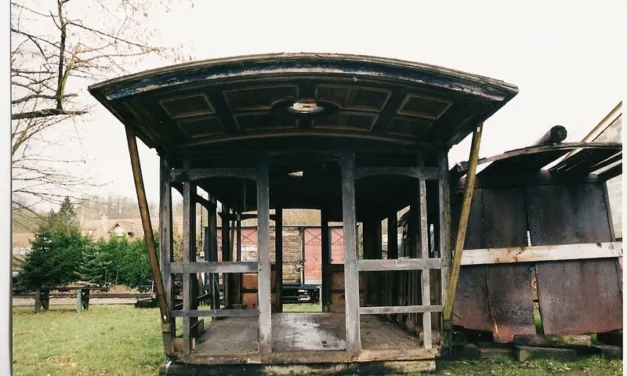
[
  {"x": 462, "y": 227},
  {"x": 553, "y": 340},
  {"x": 530, "y": 158},
  {"x": 190, "y": 175},
  {"x": 214, "y": 267},
  {"x": 399, "y": 309},
  {"x": 351, "y": 271},
  {"x": 399, "y": 264},
  {"x": 325, "y": 240},
  {"x": 217, "y": 313},
  {"x": 264, "y": 269},
  {"x": 278, "y": 250},
  {"x": 526, "y": 353},
  {"x": 423, "y": 173},
  {"x": 542, "y": 253},
  {"x": 304, "y": 334},
  {"x": 166, "y": 246},
  {"x": 402, "y": 367}
]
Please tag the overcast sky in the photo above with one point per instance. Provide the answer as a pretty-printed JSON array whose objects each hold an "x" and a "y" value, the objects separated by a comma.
[{"x": 566, "y": 57}]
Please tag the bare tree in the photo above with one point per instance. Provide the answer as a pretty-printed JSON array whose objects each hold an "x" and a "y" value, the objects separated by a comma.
[{"x": 58, "y": 48}]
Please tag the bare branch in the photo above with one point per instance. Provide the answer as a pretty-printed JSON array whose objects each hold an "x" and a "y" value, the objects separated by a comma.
[{"x": 45, "y": 113}]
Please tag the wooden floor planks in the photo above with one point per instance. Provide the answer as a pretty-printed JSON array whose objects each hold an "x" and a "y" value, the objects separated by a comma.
[{"x": 301, "y": 332}]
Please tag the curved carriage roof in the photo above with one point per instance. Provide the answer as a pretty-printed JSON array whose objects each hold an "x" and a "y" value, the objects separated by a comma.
[
  {"x": 249, "y": 101},
  {"x": 302, "y": 110}
]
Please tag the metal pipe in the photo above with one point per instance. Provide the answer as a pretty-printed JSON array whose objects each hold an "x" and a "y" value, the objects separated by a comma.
[
  {"x": 148, "y": 234},
  {"x": 555, "y": 135},
  {"x": 463, "y": 223}
]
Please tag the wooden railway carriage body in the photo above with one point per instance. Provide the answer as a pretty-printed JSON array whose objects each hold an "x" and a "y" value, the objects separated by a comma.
[{"x": 355, "y": 137}]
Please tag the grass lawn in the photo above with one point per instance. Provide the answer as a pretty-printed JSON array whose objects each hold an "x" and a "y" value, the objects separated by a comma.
[{"x": 123, "y": 340}]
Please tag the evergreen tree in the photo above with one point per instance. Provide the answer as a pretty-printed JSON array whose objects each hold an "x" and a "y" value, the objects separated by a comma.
[
  {"x": 56, "y": 252},
  {"x": 95, "y": 265}
]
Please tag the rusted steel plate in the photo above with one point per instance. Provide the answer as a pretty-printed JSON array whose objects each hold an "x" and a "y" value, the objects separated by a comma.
[
  {"x": 568, "y": 214},
  {"x": 504, "y": 218},
  {"x": 580, "y": 297},
  {"x": 470, "y": 308},
  {"x": 496, "y": 298},
  {"x": 511, "y": 301}
]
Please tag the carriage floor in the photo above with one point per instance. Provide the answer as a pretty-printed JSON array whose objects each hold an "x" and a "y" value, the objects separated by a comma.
[{"x": 301, "y": 332}]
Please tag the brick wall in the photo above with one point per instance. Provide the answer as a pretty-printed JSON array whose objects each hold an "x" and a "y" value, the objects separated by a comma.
[{"x": 292, "y": 251}]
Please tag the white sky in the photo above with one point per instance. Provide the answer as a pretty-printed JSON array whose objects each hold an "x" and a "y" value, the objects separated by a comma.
[{"x": 566, "y": 57}]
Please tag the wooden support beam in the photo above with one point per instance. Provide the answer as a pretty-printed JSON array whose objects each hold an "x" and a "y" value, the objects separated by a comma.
[
  {"x": 217, "y": 313},
  {"x": 392, "y": 255},
  {"x": 226, "y": 257},
  {"x": 444, "y": 221},
  {"x": 278, "y": 292},
  {"x": 325, "y": 239},
  {"x": 542, "y": 253},
  {"x": 423, "y": 173},
  {"x": 212, "y": 256},
  {"x": 424, "y": 253},
  {"x": 166, "y": 248},
  {"x": 148, "y": 233},
  {"x": 192, "y": 174},
  {"x": 214, "y": 267},
  {"x": 204, "y": 202},
  {"x": 263, "y": 247},
  {"x": 398, "y": 264},
  {"x": 189, "y": 255},
  {"x": 463, "y": 224},
  {"x": 351, "y": 271},
  {"x": 400, "y": 309}
]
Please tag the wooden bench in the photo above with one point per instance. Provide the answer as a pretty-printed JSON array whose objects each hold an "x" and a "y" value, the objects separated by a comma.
[{"x": 83, "y": 294}]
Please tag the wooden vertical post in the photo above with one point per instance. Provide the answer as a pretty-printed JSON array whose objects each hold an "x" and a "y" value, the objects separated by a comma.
[
  {"x": 226, "y": 256},
  {"x": 392, "y": 255},
  {"x": 189, "y": 255},
  {"x": 413, "y": 234},
  {"x": 278, "y": 241},
  {"x": 166, "y": 247},
  {"x": 212, "y": 240},
  {"x": 351, "y": 272},
  {"x": 237, "y": 278},
  {"x": 424, "y": 248},
  {"x": 264, "y": 271},
  {"x": 239, "y": 237},
  {"x": 463, "y": 224},
  {"x": 368, "y": 247},
  {"x": 325, "y": 240},
  {"x": 444, "y": 228}
]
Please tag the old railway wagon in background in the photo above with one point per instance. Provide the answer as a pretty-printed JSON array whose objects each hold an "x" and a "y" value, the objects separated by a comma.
[
  {"x": 358, "y": 138},
  {"x": 302, "y": 264}
]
